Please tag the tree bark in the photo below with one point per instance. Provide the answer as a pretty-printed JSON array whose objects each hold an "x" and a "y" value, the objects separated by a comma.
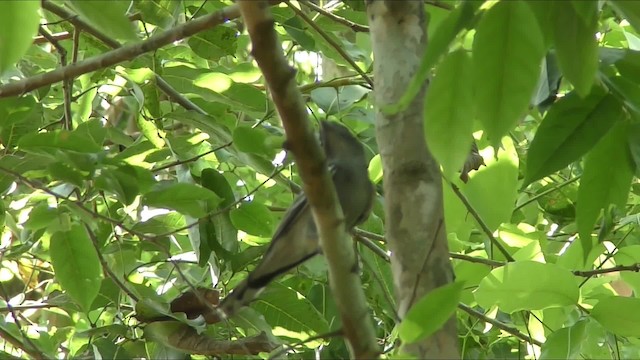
[{"x": 415, "y": 228}]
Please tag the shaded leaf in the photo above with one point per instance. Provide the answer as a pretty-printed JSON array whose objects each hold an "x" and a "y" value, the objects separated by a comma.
[
  {"x": 448, "y": 112},
  {"x": 608, "y": 170},
  {"x": 572, "y": 126},
  {"x": 576, "y": 45},
  {"x": 253, "y": 218},
  {"x": 76, "y": 264},
  {"x": 430, "y": 313}
]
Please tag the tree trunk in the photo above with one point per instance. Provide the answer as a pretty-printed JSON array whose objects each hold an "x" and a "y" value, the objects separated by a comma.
[{"x": 415, "y": 228}]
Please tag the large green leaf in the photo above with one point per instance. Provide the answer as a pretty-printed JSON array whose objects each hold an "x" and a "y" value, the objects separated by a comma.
[
  {"x": 507, "y": 52},
  {"x": 182, "y": 197},
  {"x": 492, "y": 190},
  {"x": 253, "y": 218},
  {"x": 576, "y": 44},
  {"x": 571, "y": 128},
  {"x": 107, "y": 16},
  {"x": 527, "y": 285},
  {"x": 619, "y": 315},
  {"x": 608, "y": 170},
  {"x": 430, "y": 313},
  {"x": 564, "y": 343},
  {"x": 18, "y": 25},
  {"x": 448, "y": 113},
  {"x": 285, "y": 307},
  {"x": 215, "y": 43},
  {"x": 58, "y": 140},
  {"x": 76, "y": 264},
  {"x": 460, "y": 18},
  {"x": 630, "y": 10}
]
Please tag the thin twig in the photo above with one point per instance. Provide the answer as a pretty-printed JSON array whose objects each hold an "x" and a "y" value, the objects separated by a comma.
[
  {"x": 339, "y": 19},
  {"x": 67, "y": 83},
  {"x": 546, "y": 192},
  {"x": 186, "y": 161},
  {"x": 373, "y": 247},
  {"x": 587, "y": 273},
  {"x": 502, "y": 326},
  {"x": 439, "y": 4},
  {"x": 338, "y": 48},
  {"x": 477, "y": 260},
  {"x": 105, "y": 266},
  {"x": 481, "y": 222}
]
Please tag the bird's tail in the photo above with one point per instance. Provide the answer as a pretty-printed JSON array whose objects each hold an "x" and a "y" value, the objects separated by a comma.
[{"x": 253, "y": 285}]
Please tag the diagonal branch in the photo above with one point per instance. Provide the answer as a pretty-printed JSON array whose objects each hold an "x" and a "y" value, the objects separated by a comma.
[
  {"x": 124, "y": 53},
  {"x": 81, "y": 24},
  {"x": 318, "y": 187}
]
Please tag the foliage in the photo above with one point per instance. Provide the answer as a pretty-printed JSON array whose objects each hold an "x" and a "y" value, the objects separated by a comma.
[{"x": 118, "y": 195}]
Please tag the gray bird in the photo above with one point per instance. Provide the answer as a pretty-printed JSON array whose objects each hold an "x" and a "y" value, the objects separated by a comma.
[{"x": 296, "y": 239}]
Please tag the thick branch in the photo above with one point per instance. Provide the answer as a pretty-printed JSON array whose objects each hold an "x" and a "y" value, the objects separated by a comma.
[
  {"x": 414, "y": 225},
  {"x": 318, "y": 187}
]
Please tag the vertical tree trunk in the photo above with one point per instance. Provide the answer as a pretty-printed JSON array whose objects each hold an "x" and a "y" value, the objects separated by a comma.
[{"x": 415, "y": 228}]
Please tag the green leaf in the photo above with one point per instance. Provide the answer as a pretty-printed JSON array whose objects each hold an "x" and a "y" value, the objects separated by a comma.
[
  {"x": 608, "y": 170},
  {"x": 460, "y": 18},
  {"x": 76, "y": 264},
  {"x": 448, "y": 112},
  {"x": 507, "y": 52},
  {"x": 298, "y": 32},
  {"x": 20, "y": 117},
  {"x": 58, "y": 140},
  {"x": 107, "y": 16},
  {"x": 184, "y": 198},
  {"x": 333, "y": 100},
  {"x": 161, "y": 224},
  {"x": 626, "y": 256},
  {"x": 375, "y": 169},
  {"x": 492, "y": 190},
  {"x": 576, "y": 45},
  {"x": 527, "y": 285},
  {"x": 619, "y": 315},
  {"x": 630, "y": 10},
  {"x": 125, "y": 181},
  {"x": 18, "y": 25},
  {"x": 253, "y": 218},
  {"x": 430, "y": 313},
  {"x": 215, "y": 43},
  {"x": 252, "y": 140},
  {"x": 64, "y": 172},
  {"x": 572, "y": 127},
  {"x": 564, "y": 343},
  {"x": 285, "y": 307},
  {"x": 41, "y": 216},
  {"x": 222, "y": 232}
]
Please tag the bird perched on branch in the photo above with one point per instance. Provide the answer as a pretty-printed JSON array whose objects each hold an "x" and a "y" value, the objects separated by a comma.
[{"x": 296, "y": 239}]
